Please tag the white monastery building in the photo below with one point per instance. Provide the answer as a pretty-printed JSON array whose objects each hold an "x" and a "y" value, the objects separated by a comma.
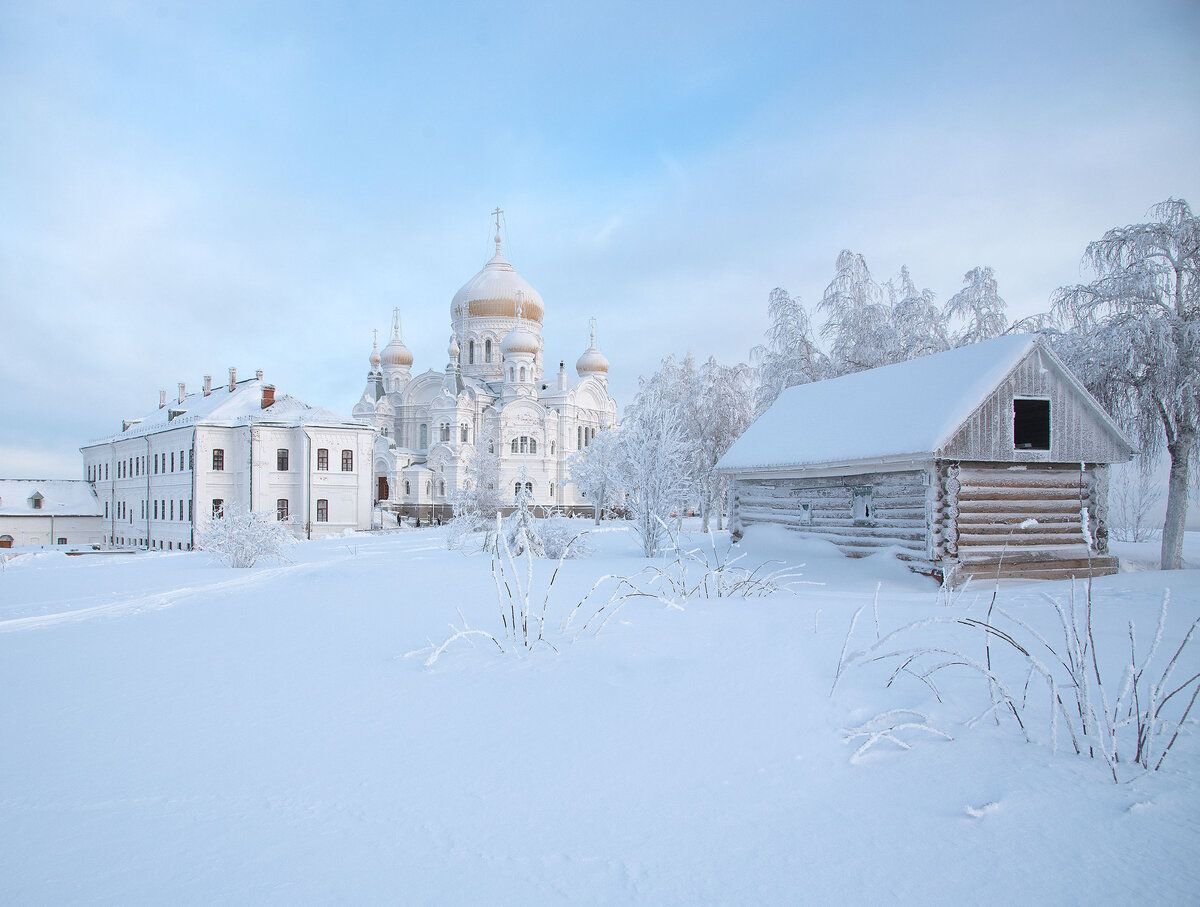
[
  {"x": 493, "y": 402},
  {"x": 49, "y": 512},
  {"x": 164, "y": 476}
]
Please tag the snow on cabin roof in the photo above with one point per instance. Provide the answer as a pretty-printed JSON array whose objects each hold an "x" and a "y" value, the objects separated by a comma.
[
  {"x": 60, "y": 497},
  {"x": 225, "y": 407},
  {"x": 910, "y": 408}
]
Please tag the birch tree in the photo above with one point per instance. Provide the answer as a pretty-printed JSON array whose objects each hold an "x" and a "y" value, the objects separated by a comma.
[
  {"x": 726, "y": 409},
  {"x": 596, "y": 471},
  {"x": 1136, "y": 343},
  {"x": 790, "y": 355},
  {"x": 979, "y": 307},
  {"x": 654, "y": 463}
]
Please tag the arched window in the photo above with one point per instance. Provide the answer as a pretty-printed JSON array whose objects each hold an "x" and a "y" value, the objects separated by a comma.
[
  {"x": 428, "y": 487},
  {"x": 551, "y": 448},
  {"x": 442, "y": 488},
  {"x": 579, "y": 437},
  {"x": 529, "y": 487},
  {"x": 511, "y": 373},
  {"x": 407, "y": 487},
  {"x": 446, "y": 432},
  {"x": 471, "y": 352},
  {"x": 487, "y": 350},
  {"x": 462, "y": 431},
  {"x": 517, "y": 491},
  {"x": 514, "y": 445},
  {"x": 424, "y": 436},
  {"x": 491, "y": 447},
  {"x": 551, "y": 489},
  {"x": 533, "y": 445},
  {"x": 522, "y": 374}
]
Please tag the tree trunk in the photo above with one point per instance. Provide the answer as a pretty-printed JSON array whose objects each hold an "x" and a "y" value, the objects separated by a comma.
[
  {"x": 705, "y": 511},
  {"x": 1177, "y": 496}
]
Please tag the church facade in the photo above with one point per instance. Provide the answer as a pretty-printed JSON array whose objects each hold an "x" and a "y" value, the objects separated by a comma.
[{"x": 494, "y": 414}]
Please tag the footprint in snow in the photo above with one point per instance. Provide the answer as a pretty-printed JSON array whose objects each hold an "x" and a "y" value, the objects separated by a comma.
[{"x": 978, "y": 812}]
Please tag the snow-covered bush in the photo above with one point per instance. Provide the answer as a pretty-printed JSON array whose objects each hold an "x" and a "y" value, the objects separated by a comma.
[
  {"x": 564, "y": 538},
  {"x": 521, "y": 531},
  {"x": 716, "y": 571},
  {"x": 242, "y": 539}
]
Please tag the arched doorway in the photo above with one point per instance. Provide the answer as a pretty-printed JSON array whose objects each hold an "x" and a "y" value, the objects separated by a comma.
[
  {"x": 381, "y": 492},
  {"x": 6, "y": 541}
]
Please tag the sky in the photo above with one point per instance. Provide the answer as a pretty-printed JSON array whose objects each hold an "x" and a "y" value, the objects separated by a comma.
[{"x": 187, "y": 187}]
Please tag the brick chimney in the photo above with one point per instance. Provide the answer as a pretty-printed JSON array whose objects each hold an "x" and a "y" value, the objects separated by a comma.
[
  {"x": 232, "y": 379},
  {"x": 162, "y": 399},
  {"x": 268, "y": 394},
  {"x": 182, "y": 391},
  {"x": 207, "y": 385}
]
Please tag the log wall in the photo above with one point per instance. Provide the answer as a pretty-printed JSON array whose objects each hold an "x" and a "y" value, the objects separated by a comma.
[{"x": 899, "y": 509}]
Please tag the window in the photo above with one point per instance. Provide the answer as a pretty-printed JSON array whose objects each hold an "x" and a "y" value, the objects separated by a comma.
[
  {"x": 462, "y": 432},
  {"x": 579, "y": 437},
  {"x": 445, "y": 432},
  {"x": 806, "y": 513},
  {"x": 189, "y": 511},
  {"x": 522, "y": 374},
  {"x": 1031, "y": 424},
  {"x": 156, "y": 464},
  {"x": 322, "y": 510},
  {"x": 863, "y": 510},
  {"x": 106, "y": 510},
  {"x": 424, "y": 436},
  {"x": 156, "y": 509},
  {"x": 533, "y": 445},
  {"x": 487, "y": 350},
  {"x": 551, "y": 489},
  {"x": 172, "y": 461},
  {"x": 347, "y": 461},
  {"x": 106, "y": 471},
  {"x": 471, "y": 352},
  {"x": 281, "y": 459},
  {"x": 218, "y": 460},
  {"x": 218, "y": 508},
  {"x": 181, "y": 461},
  {"x": 281, "y": 509},
  {"x": 428, "y": 489},
  {"x": 517, "y": 491},
  {"x": 407, "y": 488},
  {"x": 524, "y": 444},
  {"x": 62, "y": 541},
  {"x": 552, "y": 445},
  {"x": 192, "y": 459},
  {"x": 491, "y": 447},
  {"x": 172, "y": 509},
  {"x": 442, "y": 488},
  {"x": 529, "y": 487},
  {"x": 514, "y": 445},
  {"x": 322, "y": 458}
]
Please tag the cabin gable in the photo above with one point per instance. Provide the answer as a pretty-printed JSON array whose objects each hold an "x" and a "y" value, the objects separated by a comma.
[{"x": 1035, "y": 399}]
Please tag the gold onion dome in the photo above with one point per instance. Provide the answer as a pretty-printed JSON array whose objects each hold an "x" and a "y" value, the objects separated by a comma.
[
  {"x": 396, "y": 354},
  {"x": 592, "y": 362},
  {"x": 497, "y": 291}
]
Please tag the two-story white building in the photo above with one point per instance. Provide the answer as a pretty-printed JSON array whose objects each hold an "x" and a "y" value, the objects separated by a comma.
[{"x": 165, "y": 475}]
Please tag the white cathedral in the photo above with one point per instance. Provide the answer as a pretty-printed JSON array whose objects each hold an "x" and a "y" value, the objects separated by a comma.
[{"x": 492, "y": 398}]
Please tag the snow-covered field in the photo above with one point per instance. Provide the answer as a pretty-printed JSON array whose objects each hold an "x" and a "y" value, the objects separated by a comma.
[{"x": 179, "y": 732}]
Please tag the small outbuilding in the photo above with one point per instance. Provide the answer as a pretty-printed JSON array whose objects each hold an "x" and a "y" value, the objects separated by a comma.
[
  {"x": 49, "y": 512},
  {"x": 988, "y": 460}
]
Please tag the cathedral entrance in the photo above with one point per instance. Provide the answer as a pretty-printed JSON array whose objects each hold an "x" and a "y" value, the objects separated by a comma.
[{"x": 382, "y": 490}]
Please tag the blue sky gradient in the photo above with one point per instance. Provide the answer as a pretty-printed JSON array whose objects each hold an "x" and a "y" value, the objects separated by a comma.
[{"x": 185, "y": 187}]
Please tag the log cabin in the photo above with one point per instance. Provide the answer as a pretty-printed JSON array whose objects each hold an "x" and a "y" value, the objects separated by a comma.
[{"x": 989, "y": 460}]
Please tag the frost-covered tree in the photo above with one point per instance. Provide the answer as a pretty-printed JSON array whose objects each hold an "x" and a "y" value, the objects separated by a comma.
[
  {"x": 790, "y": 355},
  {"x": 1133, "y": 496},
  {"x": 521, "y": 529},
  {"x": 655, "y": 462},
  {"x": 726, "y": 409},
  {"x": 239, "y": 538},
  {"x": 979, "y": 307},
  {"x": 677, "y": 386},
  {"x": 596, "y": 472},
  {"x": 870, "y": 325},
  {"x": 859, "y": 322},
  {"x": 918, "y": 325},
  {"x": 1136, "y": 342}
]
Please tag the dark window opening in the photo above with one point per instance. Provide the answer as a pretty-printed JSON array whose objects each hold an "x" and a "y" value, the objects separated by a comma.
[{"x": 1031, "y": 424}]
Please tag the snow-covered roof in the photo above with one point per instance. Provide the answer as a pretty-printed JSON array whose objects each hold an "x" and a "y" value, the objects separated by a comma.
[
  {"x": 60, "y": 497},
  {"x": 909, "y": 409},
  {"x": 223, "y": 406}
]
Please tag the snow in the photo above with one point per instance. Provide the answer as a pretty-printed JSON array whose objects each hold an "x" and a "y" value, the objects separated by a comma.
[
  {"x": 182, "y": 732},
  {"x": 61, "y": 497},
  {"x": 907, "y": 409}
]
